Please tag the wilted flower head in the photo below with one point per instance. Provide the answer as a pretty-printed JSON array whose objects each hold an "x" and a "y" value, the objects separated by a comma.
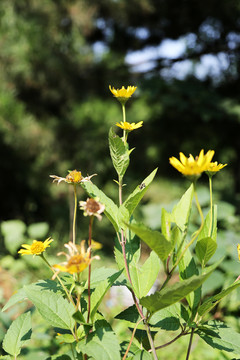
[
  {"x": 192, "y": 167},
  {"x": 123, "y": 94},
  {"x": 214, "y": 167},
  {"x": 36, "y": 248},
  {"x": 129, "y": 127},
  {"x": 77, "y": 260},
  {"x": 74, "y": 177},
  {"x": 92, "y": 207}
]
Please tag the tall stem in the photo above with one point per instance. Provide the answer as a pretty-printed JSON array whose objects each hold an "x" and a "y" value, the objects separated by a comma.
[
  {"x": 211, "y": 206},
  {"x": 75, "y": 213},
  {"x": 190, "y": 344},
  {"x": 124, "y": 120},
  {"x": 89, "y": 267}
]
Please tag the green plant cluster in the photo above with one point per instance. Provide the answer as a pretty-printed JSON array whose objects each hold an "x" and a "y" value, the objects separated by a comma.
[{"x": 180, "y": 252}]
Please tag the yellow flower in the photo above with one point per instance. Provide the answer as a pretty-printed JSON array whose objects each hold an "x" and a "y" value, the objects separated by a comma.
[
  {"x": 214, "y": 167},
  {"x": 192, "y": 166},
  {"x": 123, "y": 94},
  {"x": 92, "y": 207},
  {"x": 129, "y": 127},
  {"x": 74, "y": 177},
  {"x": 37, "y": 247},
  {"x": 77, "y": 260},
  {"x": 238, "y": 250}
]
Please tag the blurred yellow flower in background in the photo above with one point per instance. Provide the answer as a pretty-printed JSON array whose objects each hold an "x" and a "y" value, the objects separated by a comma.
[
  {"x": 37, "y": 247},
  {"x": 192, "y": 166},
  {"x": 129, "y": 127}
]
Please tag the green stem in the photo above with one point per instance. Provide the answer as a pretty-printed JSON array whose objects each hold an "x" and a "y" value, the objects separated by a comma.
[
  {"x": 89, "y": 267},
  {"x": 73, "y": 353},
  {"x": 190, "y": 344},
  {"x": 75, "y": 213},
  {"x": 124, "y": 120},
  {"x": 131, "y": 340},
  {"x": 211, "y": 207}
]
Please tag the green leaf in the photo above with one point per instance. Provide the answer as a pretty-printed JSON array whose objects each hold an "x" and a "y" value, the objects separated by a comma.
[
  {"x": 100, "y": 291},
  {"x": 132, "y": 250},
  {"x": 174, "y": 293},
  {"x": 144, "y": 276},
  {"x": 13, "y": 232},
  {"x": 188, "y": 268},
  {"x": 167, "y": 319},
  {"x": 207, "y": 223},
  {"x": 111, "y": 209},
  {"x": 53, "y": 308},
  {"x": 17, "y": 335},
  {"x": 154, "y": 239},
  {"x": 181, "y": 211},
  {"x": 210, "y": 303},
  {"x": 102, "y": 344},
  {"x": 38, "y": 230},
  {"x": 141, "y": 355},
  {"x": 166, "y": 219},
  {"x": 220, "y": 336},
  {"x": 100, "y": 274},
  {"x": 119, "y": 153},
  {"x": 130, "y": 314},
  {"x": 205, "y": 249},
  {"x": 135, "y": 197},
  {"x": 16, "y": 298}
]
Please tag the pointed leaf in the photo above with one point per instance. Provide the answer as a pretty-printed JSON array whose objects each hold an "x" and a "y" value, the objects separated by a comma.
[
  {"x": 19, "y": 296},
  {"x": 220, "y": 336},
  {"x": 210, "y": 303},
  {"x": 130, "y": 314},
  {"x": 167, "y": 319},
  {"x": 144, "y": 276},
  {"x": 174, "y": 293},
  {"x": 205, "y": 249},
  {"x": 53, "y": 308},
  {"x": 18, "y": 333},
  {"x": 136, "y": 196},
  {"x": 111, "y": 209},
  {"x": 154, "y": 239},
  {"x": 100, "y": 291},
  {"x": 119, "y": 153},
  {"x": 181, "y": 211}
]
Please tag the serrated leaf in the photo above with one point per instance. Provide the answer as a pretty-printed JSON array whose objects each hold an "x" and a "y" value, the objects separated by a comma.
[
  {"x": 174, "y": 293},
  {"x": 210, "y": 303},
  {"x": 100, "y": 274},
  {"x": 205, "y": 249},
  {"x": 53, "y": 308},
  {"x": 144, "y": 276},
  {"x": 219, "y": 336},
  {"x": 154, "y": 239},
  {"x": 119, "y": 153},
  {"x": 111, "y": 209},
  {"x": 100, "y": 291},
  {"x": 181, "y": 211},
  {"x": 135, "y": 197},
  {"x": 102, "y": 344},
  {"x": 18, "y": 333}
]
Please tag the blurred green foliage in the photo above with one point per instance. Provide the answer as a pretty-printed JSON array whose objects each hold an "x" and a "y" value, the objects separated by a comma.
[{"x": 57, "y": 61}]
